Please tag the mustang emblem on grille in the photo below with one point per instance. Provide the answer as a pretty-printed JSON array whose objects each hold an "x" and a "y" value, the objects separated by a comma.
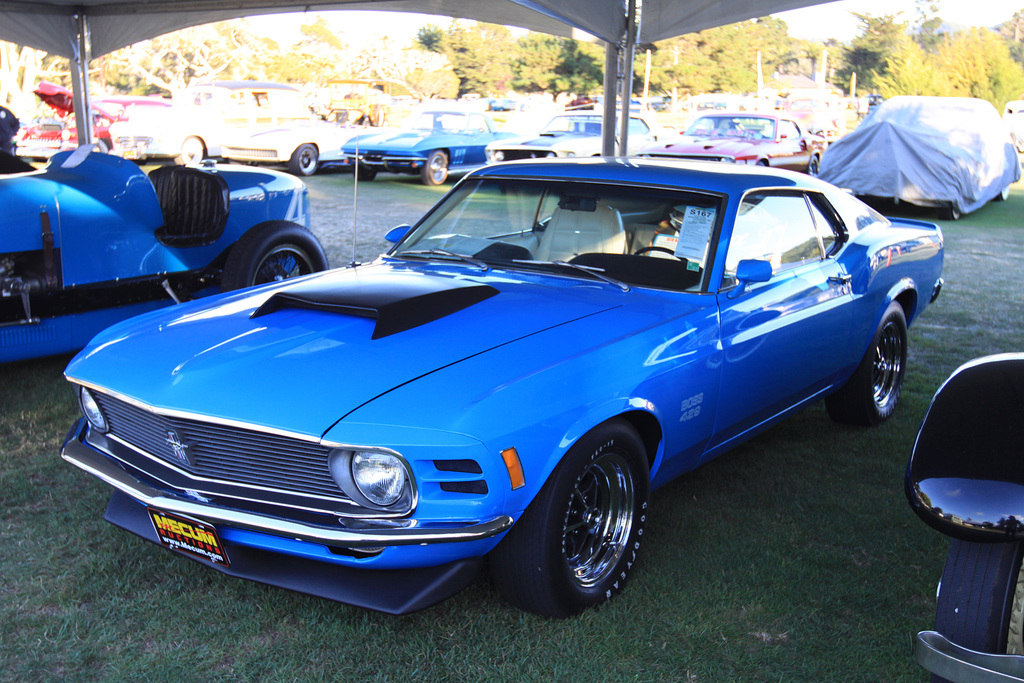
[{"x": 179, "y": 448}]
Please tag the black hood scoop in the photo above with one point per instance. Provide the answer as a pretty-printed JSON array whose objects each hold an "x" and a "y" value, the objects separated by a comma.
[{"x": 396, "y": 303}]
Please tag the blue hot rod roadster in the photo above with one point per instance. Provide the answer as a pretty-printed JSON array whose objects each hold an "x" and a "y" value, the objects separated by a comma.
[
  {"x": 550, "y": 342},
  {"x": 90, "y": 240}
]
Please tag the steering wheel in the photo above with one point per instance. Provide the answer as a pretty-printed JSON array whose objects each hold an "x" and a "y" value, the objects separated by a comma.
[{"x": 643, "y": 250}]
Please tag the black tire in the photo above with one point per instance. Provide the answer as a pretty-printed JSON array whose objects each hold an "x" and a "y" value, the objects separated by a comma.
[
  {"x": 980, "y": 599},
  {"x": 949, "y": 213},
  {"x": 304, "y": 160},
  {"x": 577, "y": 542},
  {"x": 870, "y": 396},
  {"x": 365, "y": 173},
  {"x": 193, "y": 150},
  {"x": 103, "y": 145},
  {"x": 814, "y": 165},
  {"x": 272, "y": 251},
  {"x": 435, "y": 171},
  {"x": 1004, "y": 195}
]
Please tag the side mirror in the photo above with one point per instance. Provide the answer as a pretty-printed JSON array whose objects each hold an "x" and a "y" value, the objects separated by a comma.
[
  {"x": 395, "y": 235},
  {"x": 750, "y": 270}
]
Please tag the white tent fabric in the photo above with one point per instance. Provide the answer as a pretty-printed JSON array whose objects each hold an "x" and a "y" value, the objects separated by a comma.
[{"x": 52, "y": 25}]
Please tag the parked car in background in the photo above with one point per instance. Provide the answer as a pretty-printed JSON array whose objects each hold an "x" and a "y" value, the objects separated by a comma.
[
  {"x": 1013, "y": 115},
  {"x": 90, "y": 240},
  {"x": 821, "y": 117},
  {"x": 43, "y": 138},
  {"x": 551, "y": 341},
  {"x": 304, "y": 147},
  {"x": 953, "y": 153},
  {"x": 203, "y": 117},
  {"x": 964, "y": 480},
  {"x": 572, "y": 134},
  {"x": 436, "y": 142},
  {"x": 745, "y": 138}
]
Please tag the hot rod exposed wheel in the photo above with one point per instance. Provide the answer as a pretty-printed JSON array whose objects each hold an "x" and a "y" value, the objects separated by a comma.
[
  {"x": 273, "y": 251},
  {"x": 870, "y": 396},
  {"x": 577, "y": 541},
  {"x": 435, "y": 171},
  {"x": 981, "y": 597},
  {"x": 304, "y": 160}
]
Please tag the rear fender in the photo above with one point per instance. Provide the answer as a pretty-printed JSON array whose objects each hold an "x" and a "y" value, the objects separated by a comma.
[{"x": 965, "y": 477}]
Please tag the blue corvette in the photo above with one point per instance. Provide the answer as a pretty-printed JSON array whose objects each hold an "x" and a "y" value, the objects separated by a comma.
[
  {"x": 549, "y": 343},
  {"x": 436, "y": 143},
  {"x": 90, "y": 240}
]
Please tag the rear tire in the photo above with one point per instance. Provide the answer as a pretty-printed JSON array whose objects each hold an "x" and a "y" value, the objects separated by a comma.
[
  {"x": 980, "y": 599},
  {"x": 192, "y": 151},
  {"x": 435, "y": 171},
  {"x": 273, "y": 251},
  {"x": 578, "y": 540},
  {"x": 366, "y": 173},
  {"x": 870, "y": 396},
  {"x": 304, "y": 160}
]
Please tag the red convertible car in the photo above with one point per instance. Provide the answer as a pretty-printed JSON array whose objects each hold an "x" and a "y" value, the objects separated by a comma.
[{"x": 746, "y": 138}]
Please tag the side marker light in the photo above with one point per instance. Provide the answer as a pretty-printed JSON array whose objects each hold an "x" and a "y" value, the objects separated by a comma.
[{"x": 514, "y": 467}]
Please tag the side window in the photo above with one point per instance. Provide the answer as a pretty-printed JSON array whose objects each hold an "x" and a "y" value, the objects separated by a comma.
[
  {"x": 477, "y": 124},
  {"x": 638, "y": 127},
  {"x": 773, "y": 227},
  {"x": 788, "y": 129},
  {"x": 830, "y": 231}
]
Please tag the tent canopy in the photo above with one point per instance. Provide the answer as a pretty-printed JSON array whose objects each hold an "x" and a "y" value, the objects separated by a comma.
[{"x": 53, "y": 25}]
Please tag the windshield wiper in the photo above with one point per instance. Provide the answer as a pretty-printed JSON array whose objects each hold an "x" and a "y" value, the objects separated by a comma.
[
  {"x": 427, "y": 253},
  {"x": 589, "y": 270}
]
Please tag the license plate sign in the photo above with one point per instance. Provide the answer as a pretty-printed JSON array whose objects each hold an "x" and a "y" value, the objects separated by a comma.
[{"x": 189, "y": 536}]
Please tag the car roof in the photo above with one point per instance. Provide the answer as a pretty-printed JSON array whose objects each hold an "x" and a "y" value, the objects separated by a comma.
[{"x": 711, "y": 176}]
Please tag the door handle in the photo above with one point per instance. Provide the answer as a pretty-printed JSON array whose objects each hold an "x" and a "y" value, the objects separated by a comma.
[{"x": 840, "y": 279}]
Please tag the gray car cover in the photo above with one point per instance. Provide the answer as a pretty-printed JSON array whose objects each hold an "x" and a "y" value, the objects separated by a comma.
[{"x": 929, "y": 151}]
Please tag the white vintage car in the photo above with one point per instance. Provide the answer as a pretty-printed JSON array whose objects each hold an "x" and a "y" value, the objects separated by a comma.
[
  {"x": 572, "y": 134},
  {"x": 303, "y": 146}
]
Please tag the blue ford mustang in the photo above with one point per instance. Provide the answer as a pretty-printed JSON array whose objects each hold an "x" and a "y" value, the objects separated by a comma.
[{"x": 549, "y": 343}]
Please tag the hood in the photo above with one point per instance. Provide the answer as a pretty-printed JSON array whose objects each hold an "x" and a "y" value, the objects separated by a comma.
[
  {"x": 406, "y": 140},
  {"x": 340, "y": 338},
  {"x": 544, "y": 140},
  {"x": 687, "y": 144},
  {"x": 57, "y": 97}
]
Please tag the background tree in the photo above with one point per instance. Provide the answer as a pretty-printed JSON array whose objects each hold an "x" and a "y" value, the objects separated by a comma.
[
  {"x": 927, "y": 24},
  {"x": 479, "y": 55},
  {"x": 880, "y": 38},
  {"x": 1012, "y": 32},
  {"x": 977, "y": 63}
]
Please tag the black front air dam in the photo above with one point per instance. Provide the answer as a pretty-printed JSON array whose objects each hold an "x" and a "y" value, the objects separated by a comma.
[{"x": 393, "y": 591}]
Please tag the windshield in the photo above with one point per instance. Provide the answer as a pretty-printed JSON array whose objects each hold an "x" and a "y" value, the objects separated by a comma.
[
  {"x": 641, "y": 236},
  {"x": 574, "y": 125},
  {"x": 441, "y": 122},
  {"x": 747, "y": 127}
]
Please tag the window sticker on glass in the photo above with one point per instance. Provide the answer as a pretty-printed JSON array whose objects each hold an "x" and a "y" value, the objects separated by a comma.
[{"x": 695, "y": 225}]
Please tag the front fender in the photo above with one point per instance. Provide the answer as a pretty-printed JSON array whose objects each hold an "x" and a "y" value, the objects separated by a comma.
[{"x": 964, "y": 477}]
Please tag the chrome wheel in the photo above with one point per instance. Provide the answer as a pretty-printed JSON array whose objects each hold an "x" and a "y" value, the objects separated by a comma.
[
  {"x": 282, "y": 263},
  {"x": 435, "y": 171},
  {"x": 887, "y": 374},
  {"x": 598, "y": 519},
  {"x": 192, "y": 151}
]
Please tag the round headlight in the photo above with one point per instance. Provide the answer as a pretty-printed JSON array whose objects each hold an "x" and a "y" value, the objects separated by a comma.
[
  {"x": 379, "y": 476},
  {"x": 499, "y": 155},
  {"x": 91, "y": 410}
]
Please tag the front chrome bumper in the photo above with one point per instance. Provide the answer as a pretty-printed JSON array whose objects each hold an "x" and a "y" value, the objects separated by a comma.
[
  {"x": 939, "y": 655},
  {"x": 361, "y": 533}
]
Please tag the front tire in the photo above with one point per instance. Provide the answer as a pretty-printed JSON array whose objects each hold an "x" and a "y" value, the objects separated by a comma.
[
  {"x": 273, "y": 251},
  {"x": 304, "y": 160},
  {"x": 814, "y": 166},
  {"x": 435, "y": 171},
  {"x": 870, "y": 396},
  {"x": 577, "y": 542},
  {"x": 980, "y": 599},
  {"x": 192, "y": 151}
]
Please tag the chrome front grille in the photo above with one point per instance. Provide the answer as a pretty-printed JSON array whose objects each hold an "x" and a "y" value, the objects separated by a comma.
[
  {"x": 222, "y": 452},
  {"x": 251, "y": 152}
]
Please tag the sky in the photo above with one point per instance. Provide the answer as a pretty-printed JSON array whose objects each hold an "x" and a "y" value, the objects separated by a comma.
[{"x": 831, "y": 20}]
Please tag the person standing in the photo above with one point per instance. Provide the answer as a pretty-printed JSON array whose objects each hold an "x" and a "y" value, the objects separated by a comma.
[{"x": 9, "y": 125}]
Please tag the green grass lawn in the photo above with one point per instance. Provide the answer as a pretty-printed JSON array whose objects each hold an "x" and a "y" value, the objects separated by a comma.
[{"x": 793, "y": 558}]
